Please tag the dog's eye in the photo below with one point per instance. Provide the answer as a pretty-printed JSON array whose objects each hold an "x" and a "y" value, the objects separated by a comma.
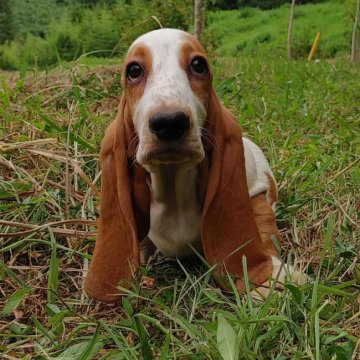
[
  {"x": 134, "y": 71},
  {"x": 198, "y": 66}
]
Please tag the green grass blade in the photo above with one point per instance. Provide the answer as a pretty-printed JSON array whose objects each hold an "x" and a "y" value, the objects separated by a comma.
[
  {"x": 165, "y": 347},
  {"x": 117, "y": 341},
  {"x": 328, "y": 241},
  {"x": 91, "y": 348},
  {"x": 53, "y": 271},
  {"x": 144, "y": 340}
]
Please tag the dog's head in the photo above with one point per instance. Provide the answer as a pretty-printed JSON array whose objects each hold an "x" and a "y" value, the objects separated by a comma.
[{"x": 167, "y": 86}]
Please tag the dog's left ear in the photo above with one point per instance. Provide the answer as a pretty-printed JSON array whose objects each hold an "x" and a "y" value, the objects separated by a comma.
[
  {"x": 229, "y": 230},
  {"x": 124, "y": 201}
]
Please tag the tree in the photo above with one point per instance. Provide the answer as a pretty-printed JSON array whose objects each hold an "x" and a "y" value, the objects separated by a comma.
[
  {"x": 355, "y": 34},
  {"x": 6, "y": 22},
  {"x": 197, "y": 18}
]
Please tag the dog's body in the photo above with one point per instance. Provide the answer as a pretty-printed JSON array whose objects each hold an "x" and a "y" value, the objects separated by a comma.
[
  {"x": 195, "y": 184},
  {"x": 175, "y": 212}
]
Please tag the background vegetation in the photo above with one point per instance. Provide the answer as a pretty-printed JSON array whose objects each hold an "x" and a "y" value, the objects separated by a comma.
[
  {"x": 46, "y": 32},
  {"x": 253, "y": 30},
  {"x": 305, "y": 115}
]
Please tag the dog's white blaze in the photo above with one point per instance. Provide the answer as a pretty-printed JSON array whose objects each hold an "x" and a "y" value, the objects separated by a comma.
[
  {"x": 174, "y": 212},
  {"x": 167, "y": 84}
]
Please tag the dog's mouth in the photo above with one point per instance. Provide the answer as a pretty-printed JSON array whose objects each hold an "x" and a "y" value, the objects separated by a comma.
[{"x": 173, "y": 156}]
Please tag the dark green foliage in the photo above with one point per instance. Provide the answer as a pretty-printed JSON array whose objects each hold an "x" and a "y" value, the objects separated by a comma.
[
  {"x": 6, "y": 22},
  {"x": 222, "y": 4},
  {"x": 34, "y": 17},
  {"x": 59, "y": 30},
  {"x": 263, "y": 4},
  {"x": 98, "y": 31}
]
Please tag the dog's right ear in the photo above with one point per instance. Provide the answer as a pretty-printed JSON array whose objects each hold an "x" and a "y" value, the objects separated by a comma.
[
  {"x": 229, "y": 228},
  {"x": 116, "y": 252}
]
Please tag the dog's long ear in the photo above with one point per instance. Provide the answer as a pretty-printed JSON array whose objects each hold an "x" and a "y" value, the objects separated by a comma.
[
  {"x": 229, "y": 230},
  {"x": 116, "y": 250}
]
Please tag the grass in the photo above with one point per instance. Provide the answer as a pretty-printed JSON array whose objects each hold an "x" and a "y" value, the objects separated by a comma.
[
  {"x": 307, "y": 118},
  {"x": 254, "y": 30}
]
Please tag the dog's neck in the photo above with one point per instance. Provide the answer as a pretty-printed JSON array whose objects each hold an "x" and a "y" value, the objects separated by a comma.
[
  {"x": 174, "y": 185},
  {"x": 174, "y": 211}
]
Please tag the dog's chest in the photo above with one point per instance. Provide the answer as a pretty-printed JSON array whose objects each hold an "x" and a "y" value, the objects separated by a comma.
[{"x": 175, "y": 214}]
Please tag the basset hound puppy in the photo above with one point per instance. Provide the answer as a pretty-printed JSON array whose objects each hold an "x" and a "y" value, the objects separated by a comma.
[{"x": 177, "y": 172}]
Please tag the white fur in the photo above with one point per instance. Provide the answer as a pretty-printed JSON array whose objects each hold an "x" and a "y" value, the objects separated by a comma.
[
  {"x": 175, "y": 214},
  {"x": 256, "y": 169}
]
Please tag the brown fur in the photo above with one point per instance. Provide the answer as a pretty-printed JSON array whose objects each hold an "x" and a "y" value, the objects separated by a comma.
[
  {"x": 265, "y": 221},
  {"x": 272, "y": 193},
  {"x": 200, "y": 85},
  {"x": 133, "y": 91},
  {"x": 228, "y": 220}
]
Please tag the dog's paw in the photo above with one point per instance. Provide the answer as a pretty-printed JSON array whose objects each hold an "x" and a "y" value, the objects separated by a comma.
[
  {"x": 281, "y": 274},
  {"x": 147, "y": 248}
]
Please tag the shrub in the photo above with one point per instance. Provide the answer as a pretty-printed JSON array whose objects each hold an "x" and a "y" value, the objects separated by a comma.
[
  {"x": 64, "y": 39},
  {"x": 10, "y": 55},
  {"x": 6, "y": 22},
  {"x": 263, "y": 38},
  {"x": 137, "y": 17},
  {"x": 49, "y": 32},
  {"x": 98, "y": 31},
  {"x": 33, "y": 51}
]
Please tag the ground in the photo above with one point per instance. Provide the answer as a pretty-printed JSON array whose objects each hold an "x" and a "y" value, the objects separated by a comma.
[{"x": 305, "y": 116}]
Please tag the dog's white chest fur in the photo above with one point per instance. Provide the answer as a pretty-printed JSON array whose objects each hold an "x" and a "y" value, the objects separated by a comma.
[{"x": 175, "y": 214}]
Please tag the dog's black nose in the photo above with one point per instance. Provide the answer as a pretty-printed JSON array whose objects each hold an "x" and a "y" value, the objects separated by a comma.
[{"x": 169, "y": 126}]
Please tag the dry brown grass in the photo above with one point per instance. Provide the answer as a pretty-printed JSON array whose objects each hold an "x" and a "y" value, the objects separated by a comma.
[{"x": 50, "y": 131}]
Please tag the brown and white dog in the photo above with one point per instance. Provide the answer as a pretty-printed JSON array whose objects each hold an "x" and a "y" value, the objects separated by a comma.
[{"x": 176, "y": 170}]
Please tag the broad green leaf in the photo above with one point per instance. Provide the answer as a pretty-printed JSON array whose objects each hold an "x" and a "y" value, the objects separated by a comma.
[
  {"x": 226, "y": 339},
  {"x": 14, "y": 300},
  {"x": 72, "y": 353},
  {"x": 332, "y": 290},
  {"x": 127, "y": 306}
]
